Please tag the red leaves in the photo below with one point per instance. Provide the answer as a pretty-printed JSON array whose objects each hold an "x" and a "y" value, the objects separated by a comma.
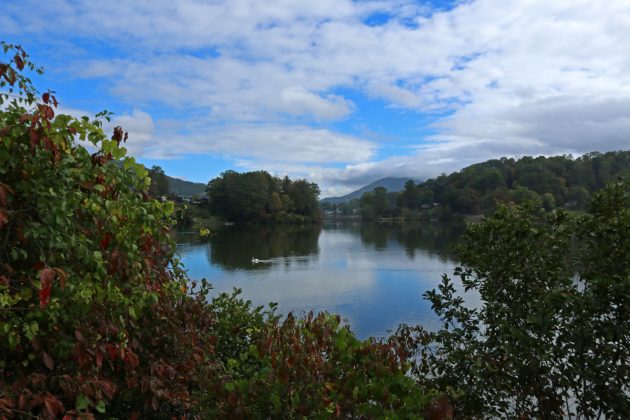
[
  {"x": 45, "y": 277},
  {"x": 111, "y": 351},
  {"x": 108, "y": 388},
  {"x": 35, "y": 134},
  {"x": 131, "y": 360},
  {"x": 48, "y": 361},
  {"x": 19, "y": 63},
  {"x": 44, "y": 296},
  {"x": 104, "y": 243},
  {"x": 22, "y": 401},
  {"x": 5, "y": 406},
  {"x": 4, "y": 218},
  {"x": 440, "y": 409},
  {"x": 47, "y": 111},
  {"x": 5, "y": 190},
  {"x": 117, "y": 261},
  {"x": 232, "y": 399},
  {"x": 47, "y": 98},
  {"x": 8, "y": 73},
  {"x": 119, "y": 135},
  {"x": 50, "y": 114},
  {"x": 53, "y": 405},
  {"x": 99, "y": 360}
]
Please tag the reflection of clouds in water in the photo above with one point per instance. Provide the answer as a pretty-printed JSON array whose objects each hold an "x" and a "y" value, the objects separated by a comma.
[
  {"x": 375, "y": 289},
  {"x": 297, "y": 285}
]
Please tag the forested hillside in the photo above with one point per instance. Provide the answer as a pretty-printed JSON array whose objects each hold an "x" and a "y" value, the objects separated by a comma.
[
  {"x": 549, "y": 182},
  {"x": 181, "y": 187},
  {"x": 164, "y": 185}
]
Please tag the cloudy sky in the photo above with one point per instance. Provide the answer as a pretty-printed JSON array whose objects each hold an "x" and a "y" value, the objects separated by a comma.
[{"x": 339, "y": 92}]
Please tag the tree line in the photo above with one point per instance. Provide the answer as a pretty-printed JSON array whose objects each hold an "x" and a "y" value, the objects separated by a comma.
[
  {"x": 259, "y": 197},
  {"x": 548, "y": 182}
]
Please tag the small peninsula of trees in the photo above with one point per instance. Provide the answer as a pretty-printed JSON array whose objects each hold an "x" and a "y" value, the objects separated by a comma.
[{"x": 260, "y": 197}]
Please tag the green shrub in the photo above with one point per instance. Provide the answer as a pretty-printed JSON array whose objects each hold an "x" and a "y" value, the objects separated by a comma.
[
  {"x": 309, "y": 367},
  {"x": 547, "y": 334},
  {"x": 92, "y": 310}
]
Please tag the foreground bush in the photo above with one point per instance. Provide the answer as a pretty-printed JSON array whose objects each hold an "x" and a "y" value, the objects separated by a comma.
[
  {"x": 93, "y": 315},
  {"x": 547, "y": 331},
  {"x": 96, "y": 317},
  {"x": 312, "y": 367}
]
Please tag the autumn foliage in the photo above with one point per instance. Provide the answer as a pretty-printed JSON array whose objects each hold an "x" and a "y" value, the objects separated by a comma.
[
  {"x": 94, "y": 315},
  {"x": 98, "y": 318}
]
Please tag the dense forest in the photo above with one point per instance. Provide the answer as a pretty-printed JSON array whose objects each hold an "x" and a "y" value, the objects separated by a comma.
[
  {"x": 548, "y": 182},
  {"x": 260, "y": 197}
]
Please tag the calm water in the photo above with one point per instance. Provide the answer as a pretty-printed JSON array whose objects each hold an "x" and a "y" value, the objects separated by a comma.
[{"x": 372, "y": 275}]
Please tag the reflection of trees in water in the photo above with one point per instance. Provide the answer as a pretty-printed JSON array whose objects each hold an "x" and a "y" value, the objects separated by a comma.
[
  {"x": 375, "y": 234},
  {"x": 234, "y": 247},
  {"x": 433, "y": 238}
]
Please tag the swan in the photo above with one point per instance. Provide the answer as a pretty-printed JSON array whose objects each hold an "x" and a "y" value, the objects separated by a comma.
[{"x": 255, "y": 260}]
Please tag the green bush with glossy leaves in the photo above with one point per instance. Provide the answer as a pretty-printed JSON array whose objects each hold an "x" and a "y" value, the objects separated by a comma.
[{"x": 94, "y": 318}]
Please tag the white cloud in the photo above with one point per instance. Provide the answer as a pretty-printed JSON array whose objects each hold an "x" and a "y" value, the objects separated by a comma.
[
  {"x": 298, "y": 101},
  {"x": 261, "y": 142},
  {"x": 512, "y": 78}
]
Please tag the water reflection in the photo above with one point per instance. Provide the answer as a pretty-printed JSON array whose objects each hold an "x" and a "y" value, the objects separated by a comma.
[
  {"x": 433, "y": 238},
  {"x": 373, "y": 275},
  {"x": 234, "y": 247}
]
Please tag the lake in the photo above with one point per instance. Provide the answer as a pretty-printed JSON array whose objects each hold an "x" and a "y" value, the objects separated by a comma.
[{"x": 373, "y": 275}]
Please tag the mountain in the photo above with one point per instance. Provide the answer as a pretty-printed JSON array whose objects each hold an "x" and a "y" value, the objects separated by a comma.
[
  {"x": 185, "y": 188},
  {"x": 390, "y": 184}
]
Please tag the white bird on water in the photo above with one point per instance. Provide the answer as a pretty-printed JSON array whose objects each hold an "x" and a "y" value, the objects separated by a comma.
[{"x": 255, "y": 260}]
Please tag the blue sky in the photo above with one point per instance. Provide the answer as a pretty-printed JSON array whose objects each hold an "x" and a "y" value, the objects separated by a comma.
[{"x": 339, "y": 92}]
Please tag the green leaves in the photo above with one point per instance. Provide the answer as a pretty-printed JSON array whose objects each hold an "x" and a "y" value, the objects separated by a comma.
[
  {"x": 89, "y": 287},
  {"x": 82, "y": 402},
  {"x": 259, "y": 197},
  {"x": 551, "y": 329}
]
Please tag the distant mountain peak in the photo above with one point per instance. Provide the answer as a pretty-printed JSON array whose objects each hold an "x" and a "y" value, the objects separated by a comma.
[{"x": 391, "y": 184}]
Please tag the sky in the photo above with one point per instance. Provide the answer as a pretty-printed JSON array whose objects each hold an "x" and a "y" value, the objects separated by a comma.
[{"x": 338, "y": 92}]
